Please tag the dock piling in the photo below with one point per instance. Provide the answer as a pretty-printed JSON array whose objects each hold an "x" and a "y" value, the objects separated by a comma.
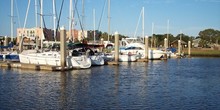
[
  {"x": 179, "y": 48},
  {"x": 165, "y": 47},
  {"x": 116, "y": 46},
  {"x": 146, "y": 47},
  {"x": 189, "y": 48},
  {"x": 63, "y": 48}
]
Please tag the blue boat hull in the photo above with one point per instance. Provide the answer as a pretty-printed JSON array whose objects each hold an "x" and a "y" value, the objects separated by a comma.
[{"x": 9, "y": 57}]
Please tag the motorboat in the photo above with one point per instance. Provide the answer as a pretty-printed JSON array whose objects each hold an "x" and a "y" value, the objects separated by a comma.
[
  {"x": 96, "y": 58},
  {"x": 138, "y": 48}
]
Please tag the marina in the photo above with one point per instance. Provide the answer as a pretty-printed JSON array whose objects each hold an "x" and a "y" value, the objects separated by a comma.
[
  {"x": 88, "y": 55},
  {"x": 183, "y": 84}
]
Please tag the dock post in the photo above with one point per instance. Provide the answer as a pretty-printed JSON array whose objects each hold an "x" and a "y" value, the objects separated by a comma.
[
  {"x": 20, "y": 42},
  {"x": 6, "y": 42},
  {"x": 189, "y": 48},
  {"x": 63, "y": 48},
  {"x": 179, "y": 48},
  {"x": 146, "y": 47},
  {"x": 116, "y": 46},
  {"x": 102, "y": 43},
  {"x": 165, "y": 47}
]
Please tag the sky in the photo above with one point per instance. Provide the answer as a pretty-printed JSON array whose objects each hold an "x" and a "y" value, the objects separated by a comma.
[{"x": 184, "y": 16}]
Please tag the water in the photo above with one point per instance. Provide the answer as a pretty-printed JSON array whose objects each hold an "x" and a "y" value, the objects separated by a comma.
[{"x": 178, "y": 84}]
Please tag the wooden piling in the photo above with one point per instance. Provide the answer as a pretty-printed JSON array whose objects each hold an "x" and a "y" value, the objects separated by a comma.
[
  {"x": 189, "y": 48},
  {"x": 165, "y": 47},
  {"x": 116, "y": 46},
  {"x": 63, "y": 48},
  {"x": 179, "y": 48},
  {"x": 6, "y": 42},
  {"x": 146, "y": 48}
]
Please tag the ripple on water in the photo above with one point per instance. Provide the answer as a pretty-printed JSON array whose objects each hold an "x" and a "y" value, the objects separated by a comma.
[{"x": 172, "y": 84}]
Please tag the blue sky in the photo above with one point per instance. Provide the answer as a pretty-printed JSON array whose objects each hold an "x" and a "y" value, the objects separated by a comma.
[{"x": 187, "y": 16}]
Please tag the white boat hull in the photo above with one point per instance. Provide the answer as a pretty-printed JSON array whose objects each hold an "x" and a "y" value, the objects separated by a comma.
[
  {"x": 155, "y": 54},
  {"x": 80, "y": 62},
  {"x": 53, "y": 59},
  {"x": 127, "y": 58},
  {"x": 97, "y": 60}
]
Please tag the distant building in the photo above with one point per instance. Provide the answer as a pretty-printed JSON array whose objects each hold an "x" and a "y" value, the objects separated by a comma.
[
  {"x": 82, "y": 34},
  {"x": 30, "y": 34},
  {"x": 74, "y": 34},
  {"x": 195, "y": 42},
  {"x": 175, "y": 43}
]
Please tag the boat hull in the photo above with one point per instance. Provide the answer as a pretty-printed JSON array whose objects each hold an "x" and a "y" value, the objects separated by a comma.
[
  {"x": 127, "y": 58},
  {"x": 97, "y": 60},
  {"x": 53, "y": 59}
]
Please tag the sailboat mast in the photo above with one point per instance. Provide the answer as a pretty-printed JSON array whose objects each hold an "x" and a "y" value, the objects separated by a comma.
[
  {"x": 143, "y": 22},
  {"x": 41, "y": 24},
  {"x": 36, "y": 13},
  {"x": 70, "y": 20},
  {"x": 152, "y": 39},
  {"x": 168, "y": 23},
  {"x": 41, "y": 14},
  {"x": 12, "y": 22},
  {"x": 94, "y": 24},
  {"x": 83, "y": 15},
  {"x": 108, "y": 18},
  {"x": 54, "y": 21}
]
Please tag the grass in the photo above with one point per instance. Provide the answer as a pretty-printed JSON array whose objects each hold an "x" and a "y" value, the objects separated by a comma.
[{"x": 203, "y": 52}]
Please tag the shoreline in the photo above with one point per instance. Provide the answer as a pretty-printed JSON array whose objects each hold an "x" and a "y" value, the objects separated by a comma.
[{"x": 202, "y": 52}]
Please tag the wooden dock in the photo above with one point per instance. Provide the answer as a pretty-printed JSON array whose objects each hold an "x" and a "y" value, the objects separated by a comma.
[{"x": 31, "y": 66}]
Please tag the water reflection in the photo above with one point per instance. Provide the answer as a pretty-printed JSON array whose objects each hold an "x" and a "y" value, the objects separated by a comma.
[{"x": 175, "y": 83}]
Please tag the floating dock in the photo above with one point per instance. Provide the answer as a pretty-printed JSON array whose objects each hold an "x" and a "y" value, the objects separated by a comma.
[{"x": 31, "y": 66}]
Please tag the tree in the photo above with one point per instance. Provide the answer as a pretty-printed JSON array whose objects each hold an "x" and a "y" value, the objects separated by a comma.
[
  {"x": 104, "y": 36},
  {"x": 210, "y": 35},
  {"x": 184, "y": 37}
]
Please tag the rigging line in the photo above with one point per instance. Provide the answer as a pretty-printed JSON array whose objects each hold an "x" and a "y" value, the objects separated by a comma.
[
  {"x": 103, "y": 8},
  {"x": 80, "y": 22},
  {"x": 25, "y": 20},
  {"x": 27, "y": 13},
  {"x": 58, "y": 22},
  {"x": 75, "y": 2},
  {"x": 19, "y": 22},
  {"x": 138, "y": 23}
]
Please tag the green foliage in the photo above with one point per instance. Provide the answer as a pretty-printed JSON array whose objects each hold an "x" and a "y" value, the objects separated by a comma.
[
  {"x": 210, "y": 35},
  {"x": 184, "y": 37},
  {"x": 100, "y": 35},
  {"x": 203, "y": 43}
]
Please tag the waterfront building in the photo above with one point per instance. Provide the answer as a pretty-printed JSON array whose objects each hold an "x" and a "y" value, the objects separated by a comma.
[{"x": 30, "y": 34}]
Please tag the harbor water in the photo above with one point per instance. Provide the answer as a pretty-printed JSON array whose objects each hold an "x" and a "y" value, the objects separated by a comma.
[{"x": 178, "y": 84}]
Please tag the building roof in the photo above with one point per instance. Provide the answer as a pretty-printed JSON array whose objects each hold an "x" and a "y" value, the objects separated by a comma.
[{"x": 176, "y": 41}]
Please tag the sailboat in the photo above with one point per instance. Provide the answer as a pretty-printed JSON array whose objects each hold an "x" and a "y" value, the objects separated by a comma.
[
  {"x": 135, "y": 46},
  {"x": 52, "y": 58},
  {"x": 9, "y": 55}
]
